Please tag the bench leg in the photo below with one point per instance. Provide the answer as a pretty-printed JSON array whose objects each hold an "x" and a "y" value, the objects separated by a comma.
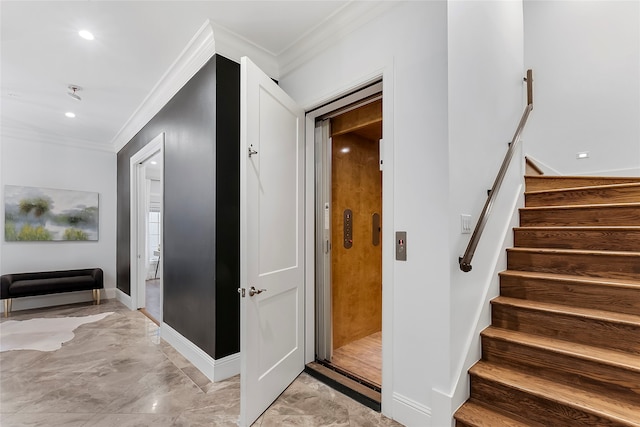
[
  {"x": 7, "y": 307},
  {"x": 96, "y": 296}
]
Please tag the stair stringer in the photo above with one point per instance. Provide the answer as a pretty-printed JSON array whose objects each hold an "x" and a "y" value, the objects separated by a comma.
[{"x": 446, "y": 403}]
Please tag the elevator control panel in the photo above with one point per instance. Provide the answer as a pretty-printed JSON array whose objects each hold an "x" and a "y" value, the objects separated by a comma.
[
  {"x": 401, "y": 245},
  {"x": 347, "y": 227}
]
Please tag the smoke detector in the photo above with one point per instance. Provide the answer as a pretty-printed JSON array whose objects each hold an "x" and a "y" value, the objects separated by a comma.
[{"x": 74, "y": 89}]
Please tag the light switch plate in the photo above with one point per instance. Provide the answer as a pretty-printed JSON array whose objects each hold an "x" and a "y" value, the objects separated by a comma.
[{"x": 465, "y": 224}]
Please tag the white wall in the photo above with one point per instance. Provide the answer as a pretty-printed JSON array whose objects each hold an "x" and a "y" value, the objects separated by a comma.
[
  {"x": 408, "y": 42},
  {"x": 452, "y": 114},
  {"x": 586, "y": 60},
  {"x": 37, "y": 164},
  {"x": 486, "y": 102}
]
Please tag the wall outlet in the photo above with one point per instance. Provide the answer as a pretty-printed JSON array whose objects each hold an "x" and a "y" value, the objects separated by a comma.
[{"x": 465, "y": 224}]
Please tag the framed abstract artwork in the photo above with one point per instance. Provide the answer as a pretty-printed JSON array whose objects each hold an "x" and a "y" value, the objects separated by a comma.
[{"x": 47, "y": 214}]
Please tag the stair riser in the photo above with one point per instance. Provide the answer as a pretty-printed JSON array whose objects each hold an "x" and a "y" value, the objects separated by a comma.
[
  {"x": 582, "y": 330},
  {"x": 547, "y": 183},
  {"x": 558, "y": 367},
  {"x": 574, "y": 294},
  {"x": 584, "y": 216},
  {"x": 586, "y": 196},
  {"x": 535, "y": 408},
  {"x": 596, "y": 240},
  {"x": 615, "y": 266}
]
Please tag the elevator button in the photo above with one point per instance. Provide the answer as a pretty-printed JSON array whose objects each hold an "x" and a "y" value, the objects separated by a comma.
[{"x": 347, "y": 228}]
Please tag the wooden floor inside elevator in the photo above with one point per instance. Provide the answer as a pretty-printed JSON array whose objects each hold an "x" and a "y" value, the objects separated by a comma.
[{"x": 362, "y": 358}]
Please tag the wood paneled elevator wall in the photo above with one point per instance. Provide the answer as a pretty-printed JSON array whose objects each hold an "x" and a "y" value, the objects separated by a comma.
[{"x": 357, "y": 186}]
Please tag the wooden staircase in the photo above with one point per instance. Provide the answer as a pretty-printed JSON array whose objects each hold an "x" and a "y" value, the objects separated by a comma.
[{"x": 563, "y": 348}]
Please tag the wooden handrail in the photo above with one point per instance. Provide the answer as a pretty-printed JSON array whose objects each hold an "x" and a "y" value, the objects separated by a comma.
[{"x": 465, "y": 260}]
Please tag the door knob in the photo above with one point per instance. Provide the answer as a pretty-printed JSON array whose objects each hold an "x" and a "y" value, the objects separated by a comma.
[{"x": 253, "y": 291}]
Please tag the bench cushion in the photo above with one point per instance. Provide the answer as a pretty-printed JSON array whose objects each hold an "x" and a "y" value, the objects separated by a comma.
[
  {"x": 50, "y": 282},
  {"x": 23, "y": 288}
]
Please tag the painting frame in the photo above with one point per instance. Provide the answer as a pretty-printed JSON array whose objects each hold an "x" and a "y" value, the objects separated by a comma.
[{"x": 39, "y": 214}]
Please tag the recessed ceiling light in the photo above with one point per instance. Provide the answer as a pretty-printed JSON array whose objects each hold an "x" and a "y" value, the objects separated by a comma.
[
  {"x": 346, "y": 149},
  {"x": 69, "y": 114},
  {"x": 87, "y": 35},
  {"x": 582, "y": 155},
  {"x": 153, "y": 162}
]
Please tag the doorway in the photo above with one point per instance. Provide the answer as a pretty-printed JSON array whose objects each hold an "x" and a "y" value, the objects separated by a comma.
[
  {"x": 146, "y": 169},
  {"x": 153, "y": 236},
  {"x": 349, "y": 244}
]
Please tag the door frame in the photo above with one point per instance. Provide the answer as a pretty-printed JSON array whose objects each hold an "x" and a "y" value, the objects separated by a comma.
[
  {"x": 136, "y": 236},
  {"x": 324, "y": 209},
  {"x": 348, "y": 95}
]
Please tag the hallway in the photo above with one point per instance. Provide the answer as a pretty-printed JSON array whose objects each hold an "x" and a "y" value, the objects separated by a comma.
[
  {"x": 117, "y": 371},
  {"x": 152, "y": 299}
]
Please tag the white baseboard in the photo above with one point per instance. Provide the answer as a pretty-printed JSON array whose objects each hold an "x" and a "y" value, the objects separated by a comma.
[
  {"x": 215, "y": 370},
  {"x": 52, "y": 300},
  {"x": 442, "y": 415},
  {"x": 409, "y": 412},
  {"x": 124, "y": 299},
  {"x": 226, "y": 367}
]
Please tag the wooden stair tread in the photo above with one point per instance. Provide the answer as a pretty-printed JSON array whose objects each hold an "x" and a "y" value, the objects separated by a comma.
[
  {"x": 478, "y": 415},
  {"x": 586, "y": 352},
  {"x": 585, "y": 188},
  {"x": 588, "y": 313},
  {"x": 581, "y": 227},
  {"x": 561, "y": 251},
  {"x": 585, "y": 177},
  {"x": 604, "y": 406},
  {"x": 631, "y": 284},
  {"x": 543, "y": 182},
  {"x": 577, "y": 207}
]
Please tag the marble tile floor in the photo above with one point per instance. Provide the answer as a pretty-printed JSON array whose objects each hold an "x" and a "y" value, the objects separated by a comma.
[
  {"x": 118, "y": 372},
  {"x": 152, "y": 298}
]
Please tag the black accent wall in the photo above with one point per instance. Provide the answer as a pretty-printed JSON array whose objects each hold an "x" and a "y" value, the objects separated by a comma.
[{"x": 201, "y": 245}]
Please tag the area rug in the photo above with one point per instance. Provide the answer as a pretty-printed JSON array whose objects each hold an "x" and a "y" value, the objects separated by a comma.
[{"x": 42, "y": 334}]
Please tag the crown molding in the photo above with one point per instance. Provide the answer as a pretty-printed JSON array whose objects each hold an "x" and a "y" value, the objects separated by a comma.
[
  {"x": 233, "y": 46},
  {"x": 197, "y": 52},
  {"x": 10, "y": 134},
  {"x": 334, "y": 28},
  {"x": 212, "y": 38}
]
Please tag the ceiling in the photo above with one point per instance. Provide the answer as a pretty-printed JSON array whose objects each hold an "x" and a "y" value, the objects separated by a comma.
[{"x": 135, "y": 43}]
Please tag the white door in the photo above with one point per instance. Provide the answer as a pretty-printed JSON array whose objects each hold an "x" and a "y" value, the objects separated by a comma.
[{"x": 271, "y": 241}]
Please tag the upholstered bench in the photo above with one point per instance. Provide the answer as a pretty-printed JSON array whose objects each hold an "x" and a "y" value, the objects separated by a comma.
[{"x": 49, "y": 282}]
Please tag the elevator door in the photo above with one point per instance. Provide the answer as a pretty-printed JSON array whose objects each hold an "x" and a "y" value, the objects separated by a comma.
[{"x": 354, "y": 206}]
